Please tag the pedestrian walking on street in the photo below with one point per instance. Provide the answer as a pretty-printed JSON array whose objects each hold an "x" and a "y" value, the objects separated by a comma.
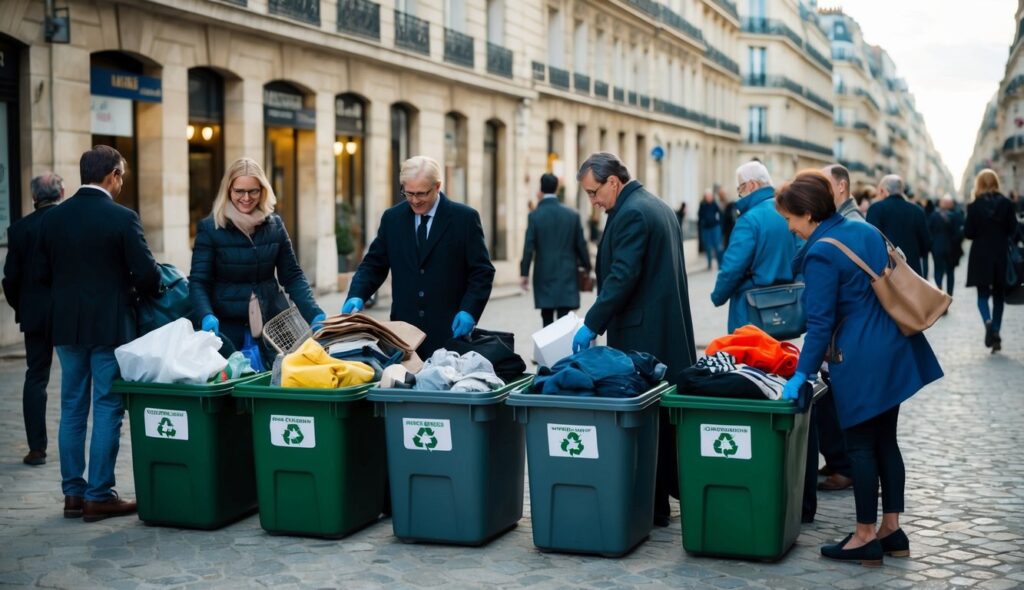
[
  {"x": 729, "y": 215},
  {"x": 990, "y": 223},
  {"x": 643, "y": 299},
  {"x": 874, "y": 367},
  {"x": 900, "y": 220},
  {"x": 709, "y": 224},
  {"x": 434, "y": 248},
  {"x": 242, "y": 258},
  {"x": 30, "y": 299},
  {"x": 554, "y": 234},
  {"x": 761, "y": 250},
  {"x": 94, "y": 254},
  {"x": 946, "y": 230}
]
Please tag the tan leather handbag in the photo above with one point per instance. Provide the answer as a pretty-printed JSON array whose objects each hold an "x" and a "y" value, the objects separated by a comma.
[{"x": 910, "y": 299}]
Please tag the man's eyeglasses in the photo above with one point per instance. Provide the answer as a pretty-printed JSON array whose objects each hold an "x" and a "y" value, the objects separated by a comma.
[
  {"x": 416, "y": 195},
  {"x": 241, "y": 192},
  {"x": 593, "y": 193}
]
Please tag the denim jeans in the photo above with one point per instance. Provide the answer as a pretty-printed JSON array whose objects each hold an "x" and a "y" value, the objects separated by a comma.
[{"x": 87, "y": 373}]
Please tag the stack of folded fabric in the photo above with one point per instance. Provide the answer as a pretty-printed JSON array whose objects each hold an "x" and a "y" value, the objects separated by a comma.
[
  {"x": 602, "y": 372},
  {"x": 497, "y": 347},
  {"x": 752, "y": 346},
  {"x": 450, "y": 371},
  {"x": 359, "y": 337},
  {"x": 311, "y": 367},
  {"x": 720, "y": 375}
]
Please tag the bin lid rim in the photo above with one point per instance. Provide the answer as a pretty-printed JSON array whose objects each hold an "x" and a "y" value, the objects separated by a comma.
[
  {"x": 194, "y": 390},
  {"x": 609, "y": 404},
  {"x": 759, "y": 406},
  {"x": 469, "y": 398},
  {"x": 260, "y": 388}
]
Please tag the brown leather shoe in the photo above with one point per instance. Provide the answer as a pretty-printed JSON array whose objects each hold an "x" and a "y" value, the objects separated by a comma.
[
  {"x": 35, "y": 458},
  {"x": 835, "y": 482},
  {"x": 72, "y": 506},
  {"x": 94, "y": 511}
]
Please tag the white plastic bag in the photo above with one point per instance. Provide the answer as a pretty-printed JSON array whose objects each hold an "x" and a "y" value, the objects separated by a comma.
[
  {"x": 174, "y": 353},
  {"x": 554, "y": 342}
]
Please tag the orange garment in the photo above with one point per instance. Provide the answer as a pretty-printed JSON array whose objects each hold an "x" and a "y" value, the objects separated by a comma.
[{"x": 752, "y": 346}]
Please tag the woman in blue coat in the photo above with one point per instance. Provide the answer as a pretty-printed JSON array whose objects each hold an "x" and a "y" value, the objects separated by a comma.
[
  {"x": 242, "y": 256},
  {"x": 874, "y": 367}
]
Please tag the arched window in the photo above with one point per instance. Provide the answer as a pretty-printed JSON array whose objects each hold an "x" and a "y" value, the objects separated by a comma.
[
  {"x": 401, "y": 145},
  {"x": 455, "y": 157},
  {"x": 349, "y": 179},
  {"x": 494, "y": 206},
  {"x": 205, "y": 142}
]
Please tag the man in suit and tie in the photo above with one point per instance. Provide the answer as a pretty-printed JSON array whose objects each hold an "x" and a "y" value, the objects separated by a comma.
[
  {"x": 434, "y": 248},
  {"x": 96, "y": 263},
  {"x": 554, "y": 233},
  {"x": 30, "y": 299},
  {"x": 901, "y": 221},
  {"x": 643, "y": 300}
]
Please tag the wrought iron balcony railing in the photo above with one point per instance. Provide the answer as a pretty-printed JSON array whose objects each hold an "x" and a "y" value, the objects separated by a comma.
[
  {"x": 785, "y": 140},
  {"x": 558, "y": 77},
  {"x": 721, "y": 59},
  {"x": 538, "y": 70},
  {"x": 768, "y": 26},
  {"x": 600, "y": 89},
  {"x": 307, "y": 11},
  {"x": 412, "y": 33},
  {"x": 499, "y": 60},
  {"x": 458, "y": 48},
  {"x": 581, "y": 83},
  {"x": 359, "y": 17}
]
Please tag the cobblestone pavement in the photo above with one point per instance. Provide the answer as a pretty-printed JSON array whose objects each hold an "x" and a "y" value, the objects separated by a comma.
[{"x": 961, "y": 440}]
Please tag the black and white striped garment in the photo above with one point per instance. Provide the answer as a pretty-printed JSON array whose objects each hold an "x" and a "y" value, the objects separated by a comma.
[
  {"x": 720, "y": 362},
  {"x": 770, "y": 384}
]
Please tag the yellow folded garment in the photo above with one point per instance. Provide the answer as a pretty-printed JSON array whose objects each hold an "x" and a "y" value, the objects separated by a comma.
[{"x": 310, "y": 366}]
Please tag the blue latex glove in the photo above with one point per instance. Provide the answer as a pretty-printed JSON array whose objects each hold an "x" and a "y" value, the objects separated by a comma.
[
  {"x": 353, "y": 305},
  {"x": 317, "y": 322},
  {"x": 211, "y": 323},
  {"x": 791, "y": 390},
  {"x": 463, "y": 324},
  {"x": 583, "y": 339}
]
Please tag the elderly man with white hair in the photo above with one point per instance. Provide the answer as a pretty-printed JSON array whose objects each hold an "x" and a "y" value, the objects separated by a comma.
[
  {"x": 761, "y": 249},
  {"x": 434, "y": 248},
  {"x": 901, "y": 221}
]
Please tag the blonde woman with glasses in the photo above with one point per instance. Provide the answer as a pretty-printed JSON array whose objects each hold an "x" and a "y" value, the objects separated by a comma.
[{"x": 241, "y": 259}]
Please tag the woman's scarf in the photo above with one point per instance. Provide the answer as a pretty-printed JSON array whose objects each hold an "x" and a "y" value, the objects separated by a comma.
[{"x": 246, "y": 222}]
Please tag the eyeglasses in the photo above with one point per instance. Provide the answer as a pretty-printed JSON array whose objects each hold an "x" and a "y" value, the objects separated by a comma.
[
  {"x": 593, "y": 193},
  {"x": 417, "y": 195},
  {"x": 241, "y": 192}
]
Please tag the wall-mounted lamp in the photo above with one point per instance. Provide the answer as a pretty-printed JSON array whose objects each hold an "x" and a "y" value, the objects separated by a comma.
[
  {"x": 190, "y": 132},
  {"x": 338, "y": 147},
  {"x": 207, "y": 133},
  {"x": 351, "y": 147},
  {"x": 57, "y": 26}
]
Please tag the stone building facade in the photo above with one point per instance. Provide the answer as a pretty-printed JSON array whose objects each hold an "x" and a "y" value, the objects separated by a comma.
[
  {"x": 331, "y": 95},
  {"x": 1000, "y": 140}
]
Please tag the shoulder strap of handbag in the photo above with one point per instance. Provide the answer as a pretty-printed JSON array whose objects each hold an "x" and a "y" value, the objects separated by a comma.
[{"x": 856, "y": 259}]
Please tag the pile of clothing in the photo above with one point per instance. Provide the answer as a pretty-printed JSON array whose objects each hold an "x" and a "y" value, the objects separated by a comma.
[
  {"x": 497, "y": 347},
  {"x": 747, "y": 364},
  {"x": 348, "y": 350},
  {"x": 446, "y": 370},
  {"x": 600, "y": 371}
]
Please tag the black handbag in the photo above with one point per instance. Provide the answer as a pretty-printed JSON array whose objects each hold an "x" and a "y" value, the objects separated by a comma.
[
  {"x": 497, "y": 347},
  {"x": 1015, "y": 269},
  {"x": 777, "y": 310}
]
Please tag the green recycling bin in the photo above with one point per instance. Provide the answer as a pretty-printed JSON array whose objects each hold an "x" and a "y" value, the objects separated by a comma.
[
  {"x": 592, "y": 463},
  {"x": 321, "y": 467},
  {"x": 456, "y": 462},
  {"x": 191, "y": 453},
  {"x": 741, "y": 474}
]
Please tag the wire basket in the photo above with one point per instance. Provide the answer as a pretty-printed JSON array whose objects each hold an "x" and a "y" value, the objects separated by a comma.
[{"x": 286, "y": 331}]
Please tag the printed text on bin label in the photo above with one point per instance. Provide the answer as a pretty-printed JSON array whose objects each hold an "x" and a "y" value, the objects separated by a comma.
[
  {"x": 293, "y": 431},
  {"x": 426, "y": 434},
  {"x": 725, "y": 441},
  {"x": 573, "y": 441},
  {"x": 168, "y": 424}
]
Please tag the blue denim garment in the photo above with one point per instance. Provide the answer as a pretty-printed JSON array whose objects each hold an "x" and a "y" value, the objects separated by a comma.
[
  {"x": 87, "y": 373},
  {"x": 600, "y": 371}
]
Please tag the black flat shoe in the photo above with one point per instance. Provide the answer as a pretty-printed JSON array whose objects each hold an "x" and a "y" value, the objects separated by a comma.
[
  {"x": 896, "y": 544},
  {"x": 868, "y": 555},
  {"x": 989, "y": 335}
]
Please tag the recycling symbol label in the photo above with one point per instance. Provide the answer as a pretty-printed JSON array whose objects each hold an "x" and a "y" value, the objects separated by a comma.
[
  {"x": 426, "y": 434},
  {"x": 166, "y": 424},
  {"x": 293, "y": 431},
  {"x": 572, "y": 441},
  {"x": 572, "y": 444},
  {"x": 725, "y": 441}
]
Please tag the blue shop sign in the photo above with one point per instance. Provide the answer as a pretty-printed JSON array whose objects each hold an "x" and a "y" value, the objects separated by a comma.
[{"x": 106, "y": 82}]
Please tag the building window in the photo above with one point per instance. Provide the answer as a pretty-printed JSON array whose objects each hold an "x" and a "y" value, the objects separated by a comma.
[
  {"x": 455, "y": 157},
  {"x": 756, "y": 127},
  {"x": 401, "y": 124},
  {"x": 556, "y": 39},
  {"x": 10, "y": 124},
  {"x": 756, "y": 63},
  {"x": 349, "y": 180},
  {"x": 579, "y": 46},
  {"x": 496, "y": 22},
  {"x": 838, "y": 148},
  {"x": 494, "y": 207},
  {"x": 455, "y": 15},
  {"x": 755, "y": 8},
  {"x": 290, "y": 123},
  {"x": 205, "y": 142}
]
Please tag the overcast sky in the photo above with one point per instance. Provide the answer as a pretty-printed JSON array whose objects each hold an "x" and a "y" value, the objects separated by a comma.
[{"x": 952, "y": 54}]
